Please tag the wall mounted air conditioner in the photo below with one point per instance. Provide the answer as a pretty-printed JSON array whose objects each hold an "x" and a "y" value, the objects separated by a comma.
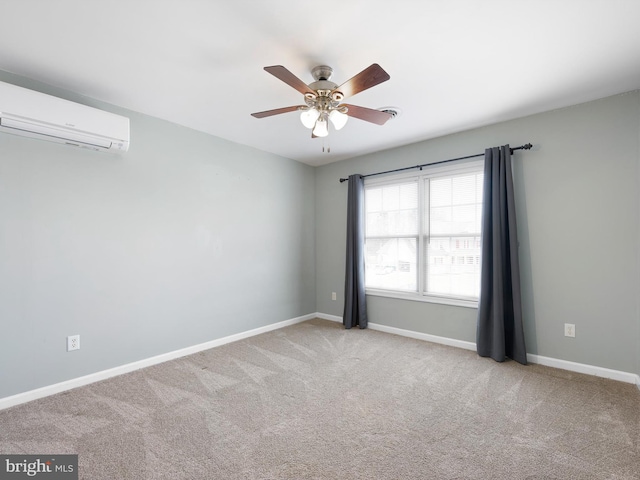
[{"x": 32, "y": 114}]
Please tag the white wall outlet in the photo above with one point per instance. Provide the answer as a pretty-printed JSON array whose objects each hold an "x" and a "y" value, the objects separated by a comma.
[
  {"x": 73, "y": 343},
  {"x": 333, "y": 296},
  {"x": 569, "y": 330}
]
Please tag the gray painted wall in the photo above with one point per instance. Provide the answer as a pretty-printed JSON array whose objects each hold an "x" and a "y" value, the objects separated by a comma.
[
  {"x": 184, "y": 239},
  {"x": 578, "y": 219}
]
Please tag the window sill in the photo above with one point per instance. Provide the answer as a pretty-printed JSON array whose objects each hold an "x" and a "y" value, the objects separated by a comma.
[{"x": 416, "y": 297}]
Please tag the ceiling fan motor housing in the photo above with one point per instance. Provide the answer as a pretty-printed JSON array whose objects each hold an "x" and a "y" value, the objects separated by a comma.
[
  {"x": 321, "y": 72},
  {"x": 323, "y": 86}
]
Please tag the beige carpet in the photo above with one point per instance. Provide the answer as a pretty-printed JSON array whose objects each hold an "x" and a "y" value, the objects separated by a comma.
[{"x": 315, "y": 401}]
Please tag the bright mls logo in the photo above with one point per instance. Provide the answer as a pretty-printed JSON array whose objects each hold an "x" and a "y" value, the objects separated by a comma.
[{"x": 50, "y": 467}]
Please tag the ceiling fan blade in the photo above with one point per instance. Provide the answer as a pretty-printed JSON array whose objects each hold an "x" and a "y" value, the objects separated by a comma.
[
  {"x": 277, "y": 111},
  {"x": 369, "y": 77},
  {"x": 289, "y": 78},
  {"x": 367, "y": 114}
]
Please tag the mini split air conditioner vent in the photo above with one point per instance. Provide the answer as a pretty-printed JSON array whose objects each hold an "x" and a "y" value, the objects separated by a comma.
[{"x": 36, "y": 115}]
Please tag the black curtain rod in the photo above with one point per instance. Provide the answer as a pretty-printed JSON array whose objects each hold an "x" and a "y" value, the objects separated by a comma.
[{"x": 528, "y": 146}]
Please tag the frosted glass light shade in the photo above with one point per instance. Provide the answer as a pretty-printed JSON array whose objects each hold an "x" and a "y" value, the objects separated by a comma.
[
  {"x": 321, "y": 129},
  {"x": 309, "y": 117},
  {"x": 338, "y": 119}
]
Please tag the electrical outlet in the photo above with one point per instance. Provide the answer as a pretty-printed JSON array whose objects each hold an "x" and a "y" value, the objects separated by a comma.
[
  {"x": 333, "y": 296},
  {"x": 73, "y": 343},
  {"x": 569, "y": 330}
]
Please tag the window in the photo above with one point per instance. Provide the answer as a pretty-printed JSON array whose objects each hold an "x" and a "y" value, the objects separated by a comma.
[{"x": 422, "y": 234}]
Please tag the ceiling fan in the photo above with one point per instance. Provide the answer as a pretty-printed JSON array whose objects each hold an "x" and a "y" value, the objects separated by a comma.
[{"x": 323, "y": 98}]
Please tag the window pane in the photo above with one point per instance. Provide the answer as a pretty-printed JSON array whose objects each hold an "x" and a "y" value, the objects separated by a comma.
[
  {"x": 452, "y": 253},
  {"x": 463, "y": 219},
  {"x": 453, "y": 266},
  {"x": 373, "y": 200},
  {"x": 392, "y": 210},
  {"x": 454, "y": 205},
  {"x": 440, "y": 192},
  {"x": 391, "y": 197},
  {"x": 390, "y": 264},
  {"x": 440, "y": 220},
  {"x": 463, "y": 190},
  {"x": 478, "y": 225},
  {"x": 479, "y": 187},
  {"x": 408, "y": 195}
]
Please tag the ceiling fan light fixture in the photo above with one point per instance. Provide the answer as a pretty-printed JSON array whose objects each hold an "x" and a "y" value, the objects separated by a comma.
[
  {"x": 338, "y": 119},
  {"x": 321, "y": 129},
  {"x": 309, "y": 117}
]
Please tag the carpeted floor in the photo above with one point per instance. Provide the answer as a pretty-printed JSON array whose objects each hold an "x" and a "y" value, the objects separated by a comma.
[{"x": 315, "y": 401}]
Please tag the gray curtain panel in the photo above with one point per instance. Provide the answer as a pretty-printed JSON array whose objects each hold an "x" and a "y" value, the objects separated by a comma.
[
  {"x": 355, "y": 307},
  {"x": 499, "y": 331}
]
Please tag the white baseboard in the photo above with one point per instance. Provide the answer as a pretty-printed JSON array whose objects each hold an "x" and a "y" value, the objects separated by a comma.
[
  {"x": 408, "y": 333},
  {"x": 326, "y": 316},
  {"x": 24, "y": 397},
  {"x": 539, "y": 359},
  {"x": 452, "y": 342},
  {"x": 586, "y": 369}
]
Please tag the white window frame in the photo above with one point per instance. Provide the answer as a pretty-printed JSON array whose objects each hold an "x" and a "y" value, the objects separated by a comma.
[{"x": 457, "y": 168}]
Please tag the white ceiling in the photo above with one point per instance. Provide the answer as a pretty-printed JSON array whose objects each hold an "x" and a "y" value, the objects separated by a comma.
[{"x": 454, "y": 64}]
